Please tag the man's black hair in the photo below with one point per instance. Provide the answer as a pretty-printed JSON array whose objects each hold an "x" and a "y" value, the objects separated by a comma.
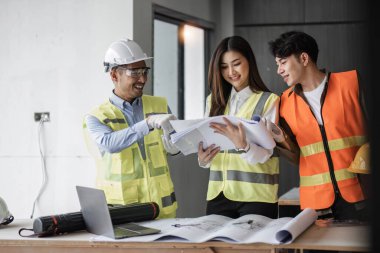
[{"x": 294, "y": 42}]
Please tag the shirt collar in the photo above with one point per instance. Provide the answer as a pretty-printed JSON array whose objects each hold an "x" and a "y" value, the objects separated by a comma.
[
  {"x": 244, "y": 94},
  {"x": 121, "y": 103},
  {"x": 298, "y": 87}
]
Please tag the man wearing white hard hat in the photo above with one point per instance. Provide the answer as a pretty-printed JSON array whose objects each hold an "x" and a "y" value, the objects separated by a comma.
[
  {"x": 131, "y": 133},
  {"x": 5, "y": 216}
]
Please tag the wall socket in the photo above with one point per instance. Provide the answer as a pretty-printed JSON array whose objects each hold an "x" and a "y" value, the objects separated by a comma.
[{"x": 44, "y": 115}]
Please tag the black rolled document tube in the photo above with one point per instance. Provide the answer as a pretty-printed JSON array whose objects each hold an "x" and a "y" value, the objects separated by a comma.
[{"x": 70, "y": 222}]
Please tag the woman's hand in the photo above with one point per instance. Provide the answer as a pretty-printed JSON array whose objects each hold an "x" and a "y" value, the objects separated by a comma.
[
  {"x": 235, "y": 133},
  {"x": 205, "y": 156}
]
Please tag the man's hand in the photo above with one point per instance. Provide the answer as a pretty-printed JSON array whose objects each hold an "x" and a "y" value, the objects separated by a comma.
[
  {"x": 276, "y": 131},
  {"x": 161, "y": 121},
  {"x": 166, "y": 139},
  {"x": 168, "y": 144}
]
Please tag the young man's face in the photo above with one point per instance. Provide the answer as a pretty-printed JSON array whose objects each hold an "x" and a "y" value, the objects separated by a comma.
[
  {"x": 291, "y": 69},
  {"x": 128, "y": 87}
]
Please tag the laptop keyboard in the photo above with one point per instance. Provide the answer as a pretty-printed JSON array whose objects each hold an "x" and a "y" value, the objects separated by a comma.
[
  {"x": 123, "y": 231},
  {"x": 130, "y": 229}
]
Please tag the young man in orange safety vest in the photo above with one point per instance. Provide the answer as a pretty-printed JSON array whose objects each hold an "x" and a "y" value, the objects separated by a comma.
[{"x": 323, "y": 116}]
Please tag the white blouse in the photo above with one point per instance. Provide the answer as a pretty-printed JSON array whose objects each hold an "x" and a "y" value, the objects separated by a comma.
[{"x": 255, "y": 154}]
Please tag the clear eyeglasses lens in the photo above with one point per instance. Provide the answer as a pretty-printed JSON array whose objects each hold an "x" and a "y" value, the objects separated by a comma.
[{"x": 137, "y": 72}]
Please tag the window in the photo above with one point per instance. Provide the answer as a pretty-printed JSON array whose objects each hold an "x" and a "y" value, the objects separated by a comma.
[
  {"x": 194, "y": 83},
  {"x": 179, "y": 72},
  {"x": 166, "y": 82}
]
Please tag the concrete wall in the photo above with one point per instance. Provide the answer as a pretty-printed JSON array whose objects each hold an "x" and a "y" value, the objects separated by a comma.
[
  {"x": 51, "y": 61},
  {"x": 338, "y": 26}
]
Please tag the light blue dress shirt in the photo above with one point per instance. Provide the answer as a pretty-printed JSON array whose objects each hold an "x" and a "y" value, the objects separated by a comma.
[{"x": 112, "y": 141}]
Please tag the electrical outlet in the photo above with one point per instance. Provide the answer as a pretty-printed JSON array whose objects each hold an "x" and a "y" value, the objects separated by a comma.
[{"x": 44, "y": 115}]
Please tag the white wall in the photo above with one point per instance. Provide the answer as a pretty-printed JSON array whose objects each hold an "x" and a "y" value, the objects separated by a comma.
[
  {"x": 51, "y": 54},
  {"x": 51, "y": 60}
]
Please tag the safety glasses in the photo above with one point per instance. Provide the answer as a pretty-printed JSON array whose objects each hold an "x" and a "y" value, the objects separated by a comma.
[{"x": 137, "y": 72}]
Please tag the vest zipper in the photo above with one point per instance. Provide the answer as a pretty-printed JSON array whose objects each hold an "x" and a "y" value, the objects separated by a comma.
[
  {"x": 329, "y": 159},
  {"x": 325, "y": 141},
  {"x": 327, "y": 151},
  {"x": 324, "y": 136}
]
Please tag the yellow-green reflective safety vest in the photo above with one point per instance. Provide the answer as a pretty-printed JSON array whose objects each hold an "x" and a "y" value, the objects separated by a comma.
[
  {"x": 237, "y": 179},
  {"x": 125, "y": 176}
]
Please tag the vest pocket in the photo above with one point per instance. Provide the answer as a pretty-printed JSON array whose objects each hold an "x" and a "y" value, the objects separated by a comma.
[
  {"x": 119, "y": 193},
  {"x": 156, "y": 156},
  {"x": 129, "y": 161},
  {"x": 130, "y": 194},
  {"x": 113, "y": 192}
]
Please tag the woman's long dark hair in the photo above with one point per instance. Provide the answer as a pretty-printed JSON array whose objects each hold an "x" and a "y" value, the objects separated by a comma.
[{"x": 220, "y": 88}]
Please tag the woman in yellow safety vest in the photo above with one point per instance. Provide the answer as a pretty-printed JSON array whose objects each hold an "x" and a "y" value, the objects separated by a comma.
[{"x": 245, "y": 180}]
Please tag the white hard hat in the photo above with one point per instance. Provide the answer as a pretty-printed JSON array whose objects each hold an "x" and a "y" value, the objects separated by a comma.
[
  {"x": 121, "y": 52},
  {"x": 5, "y": 216}
]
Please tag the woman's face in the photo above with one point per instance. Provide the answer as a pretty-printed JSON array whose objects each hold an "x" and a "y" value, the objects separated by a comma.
[{"x": 235, "y": 69}]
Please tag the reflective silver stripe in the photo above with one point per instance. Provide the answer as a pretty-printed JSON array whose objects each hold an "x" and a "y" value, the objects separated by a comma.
[
  {"x": 168, "y": 200},
  {"x": 120, "y": 121},
  {"x": 216, "y": 176},
  {"x": 231, "y": 151},
  {"x": 260, "y": 105},
  {"x": 252, "y": 177}
]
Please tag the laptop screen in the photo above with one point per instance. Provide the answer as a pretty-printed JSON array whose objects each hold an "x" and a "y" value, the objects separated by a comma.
[{"x": 95, "y": 211}]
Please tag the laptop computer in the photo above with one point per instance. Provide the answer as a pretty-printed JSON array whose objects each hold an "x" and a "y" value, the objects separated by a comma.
[{"x": 98, "y": 220}]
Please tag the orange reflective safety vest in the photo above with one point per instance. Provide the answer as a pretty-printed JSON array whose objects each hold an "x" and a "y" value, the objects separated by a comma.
[{"x": 327, "y": 151}]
